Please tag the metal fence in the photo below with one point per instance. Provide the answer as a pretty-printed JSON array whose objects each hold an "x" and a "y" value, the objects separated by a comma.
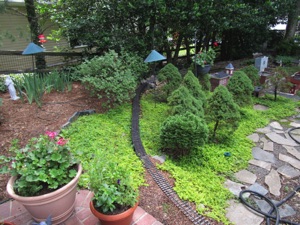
[{"x": 15, "y": 62}]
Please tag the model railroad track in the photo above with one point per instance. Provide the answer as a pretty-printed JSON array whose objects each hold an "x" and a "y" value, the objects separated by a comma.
[{"x": 151, "y": 168}]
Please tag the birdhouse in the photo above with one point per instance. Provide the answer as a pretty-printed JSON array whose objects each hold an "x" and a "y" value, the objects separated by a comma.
[
  {"x": 42, "y": 39},
  {"x": 229, "y": 69}
]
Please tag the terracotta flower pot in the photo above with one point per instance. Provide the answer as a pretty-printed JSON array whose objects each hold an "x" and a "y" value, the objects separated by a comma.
[
  {"x": 59, "y": 204},
  {"x": 124, "y": 218},
  {"x": 6, "y": 223}
]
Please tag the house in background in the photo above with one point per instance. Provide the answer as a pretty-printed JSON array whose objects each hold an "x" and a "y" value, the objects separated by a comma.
[{"x": 15, "y": 32}]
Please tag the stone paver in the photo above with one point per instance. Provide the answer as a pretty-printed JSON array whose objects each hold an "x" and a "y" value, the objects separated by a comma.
[
  {"x": 161, "y": 158},
  {"x": 276, "y": 125},
  {"x": 264, "y": 130},
  {"x": 288, "y": 171},
  {"x": 261, "y": 164},
  {"x": 294, "y": 162},
  {"x": 260, "y": 107},
  {"x": 262, "y": 155},
  {"x": 254, "y": 137},
  {"x": 268, "y": 146},
  {"x": 246, "y": 176},
  {"x": 280, "y": 140},
  {"x": 273, "y": 181},
  {"x": 238, "y": 214},
  {"x": 233, "y": 187},
  {"x": 292, "y": 151},
  {"x": 284, "y": 210},
  {"x": 294, "y": 124},
  {"x": 258, "y": 188}
]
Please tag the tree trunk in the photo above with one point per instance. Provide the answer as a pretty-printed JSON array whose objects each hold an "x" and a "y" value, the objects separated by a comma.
[
  {"x": 178, "y": 45},
  {"x": 275, "y": 93},
  {"x": 215, "y": 129},
  {"x": 35, "y": 31},
  {"x": 292, "y": 22}
]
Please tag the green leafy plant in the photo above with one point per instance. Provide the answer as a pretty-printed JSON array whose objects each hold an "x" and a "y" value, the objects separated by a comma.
[
  {"x": 205, "y": 57},
  {"x": 45, "y": 162},
  {"x": 252, "y": 72},
  {"x": 241, "y": 88},
  {"x": 58, "y": 81},
  {"x": 170, "y": 77},
  {"x": 3, "y": 88},
  {"x": 111, "y": 184},
  {"x": 109, "y": 78}
]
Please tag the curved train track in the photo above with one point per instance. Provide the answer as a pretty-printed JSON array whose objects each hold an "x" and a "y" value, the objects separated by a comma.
[{"x": 156, "y": 175}]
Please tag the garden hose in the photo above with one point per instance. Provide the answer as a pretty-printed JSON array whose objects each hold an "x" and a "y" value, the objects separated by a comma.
[{"x": 274, "y": 207}]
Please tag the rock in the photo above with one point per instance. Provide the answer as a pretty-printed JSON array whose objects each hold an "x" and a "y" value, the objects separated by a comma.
[
  {"x": 292, "y": 151},
  {"x": 254, "y": 137},
  {"x": 276, "y": 125},
  {"x": 262, "y": 155},
  {"x": 294, "y": 124},
  {"x": 233, "y": 187},
  {"x": 273, "y": 181},
  {"x": 238, "y": 214},
  {"x": 260, "y": 107},
  {"x": 280, "y": 140},
  {"x": 246, "y": 176},
  {"x": 288, "y": 171},
  {"x": 264, "y": 130},
  {"x": 268, "y": 146},
  {"x": 261, "y": 164},
  {"x": 161, "y": 159},
  {"x": 294, "y": 162},
  {"x": 284, "y": 210},
  {"x": 258, "y": 188}
]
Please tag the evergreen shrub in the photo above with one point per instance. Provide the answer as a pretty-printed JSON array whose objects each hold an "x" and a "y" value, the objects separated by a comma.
[{"x": 252, "y": 72}]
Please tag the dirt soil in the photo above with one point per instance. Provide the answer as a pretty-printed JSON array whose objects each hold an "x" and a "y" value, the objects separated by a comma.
[{"x": 23, "y": 121}]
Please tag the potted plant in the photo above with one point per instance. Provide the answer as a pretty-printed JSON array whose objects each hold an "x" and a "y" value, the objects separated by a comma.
[
  {"x": 204, "y": 60},
  {"x": 114, "y": 196},
  {"x": 6, "y": 223},
  {"x": 44, "y": 177}
]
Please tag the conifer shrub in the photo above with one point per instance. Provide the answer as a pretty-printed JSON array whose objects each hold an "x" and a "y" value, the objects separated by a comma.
[
  {"x": 194, "y": 87},
  {"x": 252, "y": 72},
  {"x": 222, "y": 111},
  {"x": 241, "y": 88},
  {"x": 182, "y": 101},
  {"x": 171, "y": 78},
  {"x": 181, "y": 133}
]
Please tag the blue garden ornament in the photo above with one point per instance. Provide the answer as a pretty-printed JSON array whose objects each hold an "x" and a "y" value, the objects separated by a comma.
[
  {"x": 32, "y": 49},
  {"x": 154, "y": 56}
]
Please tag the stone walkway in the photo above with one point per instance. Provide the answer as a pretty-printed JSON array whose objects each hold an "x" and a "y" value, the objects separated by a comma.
[{"x": 275, "y": 164}]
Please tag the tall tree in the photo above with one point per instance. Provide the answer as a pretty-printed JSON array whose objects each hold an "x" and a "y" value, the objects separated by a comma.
[{"x": 293, "y": 18}]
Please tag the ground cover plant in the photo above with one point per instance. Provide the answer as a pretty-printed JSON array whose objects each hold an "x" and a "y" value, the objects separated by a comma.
[{"x": 200, "y": 175}]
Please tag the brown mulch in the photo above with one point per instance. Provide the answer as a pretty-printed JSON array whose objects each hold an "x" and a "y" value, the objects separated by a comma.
[{"x": 23, "y": 121}]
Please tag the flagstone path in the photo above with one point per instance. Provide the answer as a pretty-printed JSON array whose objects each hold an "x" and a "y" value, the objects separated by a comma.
[{"x": 276, "y": 160}]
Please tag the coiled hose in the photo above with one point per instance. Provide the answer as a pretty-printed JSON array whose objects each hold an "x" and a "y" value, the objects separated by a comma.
[{"x": 273, "y": 213}]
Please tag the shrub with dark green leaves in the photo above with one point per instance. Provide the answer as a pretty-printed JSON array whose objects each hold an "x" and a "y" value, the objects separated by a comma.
[
  {"x": 3, "y": 88},
  {"x": 222, "y": 110},
  {"x": 171, "y": 78},
  {"x": 241, "y": 88},
  {"x": 194, "y": 87},
  {"x": 182, "y": 101},
  {"x": 252, "y": 72},
  {"x": 110, "y": 78},
  {"x": 181, "y": 133}
]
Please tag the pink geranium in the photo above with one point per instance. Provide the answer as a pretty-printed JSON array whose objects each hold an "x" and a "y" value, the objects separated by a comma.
[
  {"x": 51, "y": 134},
  {"x": 61, "y": 141}
]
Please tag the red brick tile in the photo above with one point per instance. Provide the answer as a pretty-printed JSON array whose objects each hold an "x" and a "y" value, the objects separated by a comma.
[
  {"x": 22, "y": 219},
  {"x": 81, "y": 196},
  {"x": 92, "y": 220},
  {"x": 73, "y": 220},
  {"x": 5, "y": 210},
  {"x": 87, "y": 200},
  {"x": 83, "y": 214},
  {"x": 139, "y": 212},
  {"x": 145, "y": 220},
  {"x": 157, "y": 223},
  {"x": 17, "y": 208}
]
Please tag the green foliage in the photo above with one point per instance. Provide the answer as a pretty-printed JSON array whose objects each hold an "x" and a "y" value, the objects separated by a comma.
[
  {"x": 181, "y": 133},
  {"x": 182, "y": 101},
  {"x": 108, "y": 133},
  {"x": 205, "y": 82},
  {"x": 205, "y": 57},
  {"x": 171, "y": 79},
  {"x": 287, "y": 47},
  {"x": 3, "y": 87},
  {"x": 58, "y": 81},
  {"x": 285, "y": 60},
  {"x": 278, "y": 80},
  {"x": 45, "y": 161},
  {"x": 193, "y": 86},
  {"x": 222, "y": 110},
  {"x": 252, "y": 72},
  {"x": 110, "y": 78},
  {"x": 111, "y": 183},
  {"x": 241, "y": 88}
]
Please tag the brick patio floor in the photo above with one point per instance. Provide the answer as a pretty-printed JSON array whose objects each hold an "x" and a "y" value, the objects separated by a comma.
[{"x": 14, "y": 212}]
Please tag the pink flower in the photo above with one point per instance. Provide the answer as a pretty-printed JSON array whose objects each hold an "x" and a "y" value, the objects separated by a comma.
[
  {"x": 61, "y": 141},
  {"x": 51, "y": 134},
  {"x": 215, "y": 44}
]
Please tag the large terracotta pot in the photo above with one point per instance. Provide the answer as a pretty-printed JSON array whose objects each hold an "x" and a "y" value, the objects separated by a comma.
[
  {"x": 124, "y": 218},
  {"x": 201, "y": 71},
  {"x": 59, "y": 204},
  {"x": 7, "y": 223}
]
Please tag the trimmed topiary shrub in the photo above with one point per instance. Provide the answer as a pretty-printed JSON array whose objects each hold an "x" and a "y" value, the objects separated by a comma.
[
  {"x": 182, "y": 101},
  {"x": 241, "y": 88},
  {"x": 252, "y": 72},
  {"x": 110, "y": 78},
  {"x": 194, "y": 87},
  {"x": 171, "y": 78},
  {"x": 222, "y": 110},
  {"x": 181, "y": 133}
]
